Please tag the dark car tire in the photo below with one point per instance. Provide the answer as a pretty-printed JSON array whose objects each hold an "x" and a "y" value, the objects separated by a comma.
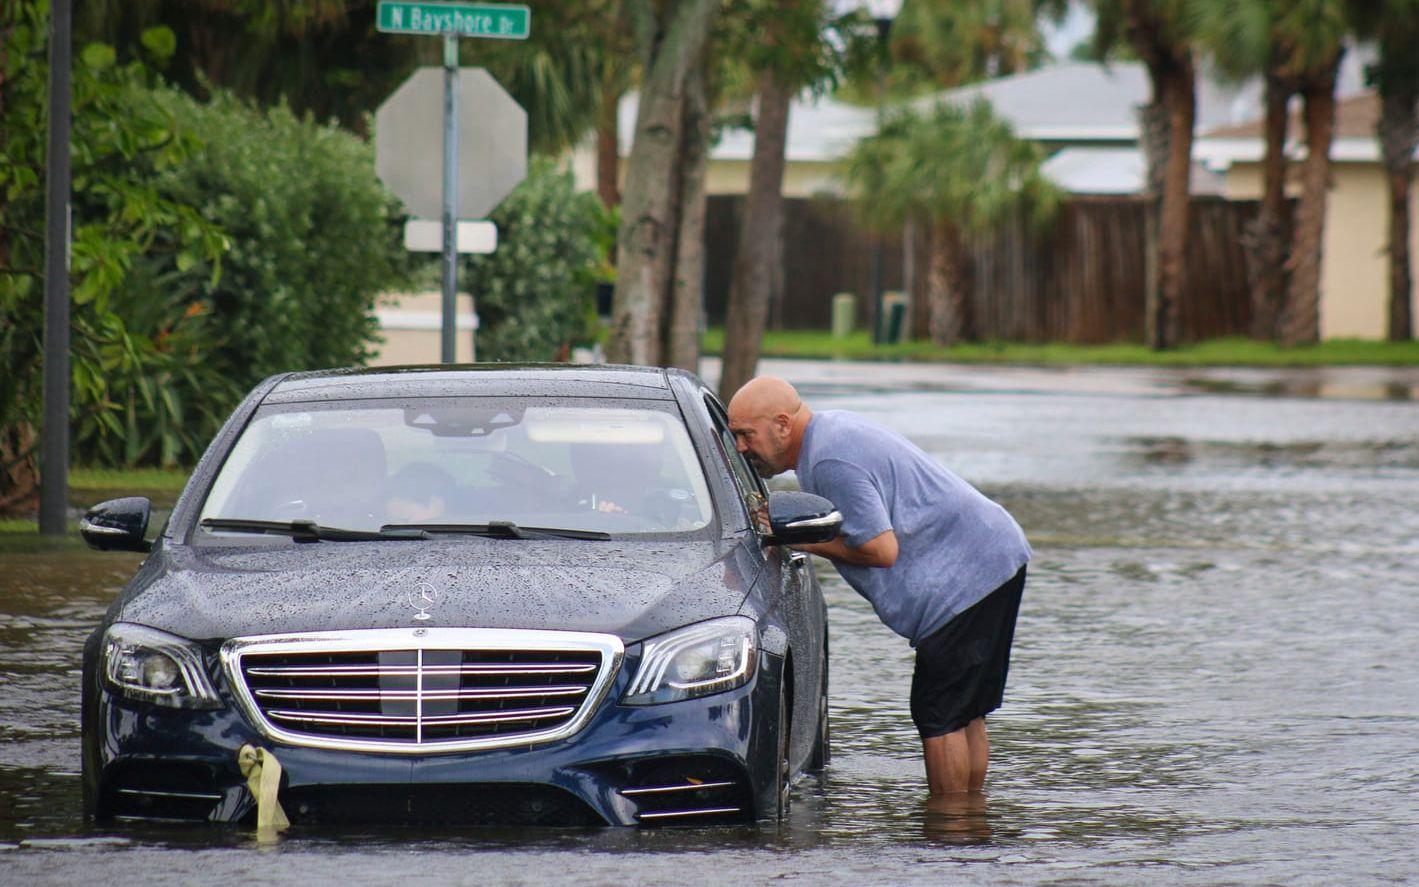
[
  {"x": 783, "y": 768},
  {"x": 822, "y": 744}
]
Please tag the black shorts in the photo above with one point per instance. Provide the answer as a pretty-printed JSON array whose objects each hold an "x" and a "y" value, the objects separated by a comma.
[{"x": 961, "y": 667}]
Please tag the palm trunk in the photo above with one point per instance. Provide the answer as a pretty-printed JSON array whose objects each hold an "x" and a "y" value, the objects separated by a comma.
[
  {"x": 646, "y": 241},
  {"x": 760, "y": 237},
  {"x": 1300, "y": 324},
  {"x": 1179, "y": 103},
  {"x": 1153, "y": 131},
  {"x": 1398, "y": 131},
  {"x": 682, "y": 340},
  {"x": 1265, "y": 238},
  {"x": 945, "y": 285},
  {"x": 608, "y": 150}
]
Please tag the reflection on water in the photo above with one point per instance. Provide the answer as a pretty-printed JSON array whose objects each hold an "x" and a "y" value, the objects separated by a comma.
[
  {"x": 959, "y": 819},
  {"x": 1215, "y": 680}
]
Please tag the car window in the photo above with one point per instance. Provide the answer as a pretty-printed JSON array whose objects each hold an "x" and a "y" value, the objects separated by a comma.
[
  {"x": 622, "y": 468},
  {"x": 751, "y": 490}
]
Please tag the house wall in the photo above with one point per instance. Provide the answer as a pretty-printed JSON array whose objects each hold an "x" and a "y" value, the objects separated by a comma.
[
  {"x": 1355, "y": 271},
  {"x": 410, "y": 325}
]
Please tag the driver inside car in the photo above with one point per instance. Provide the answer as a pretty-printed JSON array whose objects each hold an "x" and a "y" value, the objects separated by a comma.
[{"x": 417, "y": 494}]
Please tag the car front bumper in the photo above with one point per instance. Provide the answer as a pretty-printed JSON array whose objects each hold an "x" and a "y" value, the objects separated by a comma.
[{"x": 704, "y": 760}]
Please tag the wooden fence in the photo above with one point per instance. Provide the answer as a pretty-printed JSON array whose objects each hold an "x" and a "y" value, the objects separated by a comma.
[{"x": 1077, "y": 279}]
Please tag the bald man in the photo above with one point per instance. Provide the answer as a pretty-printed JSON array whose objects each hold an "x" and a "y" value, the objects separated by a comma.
[{"x": 941, "y": 564}]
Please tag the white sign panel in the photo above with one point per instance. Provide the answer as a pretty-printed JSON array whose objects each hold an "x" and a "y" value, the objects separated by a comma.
[
  {"x": 426, "y": 236},
  {"x": 492, "y": 143}
]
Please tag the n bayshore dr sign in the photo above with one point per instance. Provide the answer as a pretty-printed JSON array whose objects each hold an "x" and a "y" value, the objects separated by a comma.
[
  {"x": 499, "y": 21},
  {"x": 492, "y": 144}
]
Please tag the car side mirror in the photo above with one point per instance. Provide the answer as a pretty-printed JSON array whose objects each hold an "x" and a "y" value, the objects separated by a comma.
[
  {"x": 118, "y": 525},
  {"x": 797, "y": 518}
]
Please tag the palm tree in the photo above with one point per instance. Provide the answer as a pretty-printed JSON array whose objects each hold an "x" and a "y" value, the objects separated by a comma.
[
  {"x": 673, "y": 38},
  {"x": 1161, "y": 34},
  {"x": 947, "y": 44},
  {"x": 1314, "y": 32},
  {"x": 962, "y": 171},
  {"x": 1394, "y": 25},
  {"x": 1241, "y": 37},
  {"x": 789, "y": 48}
]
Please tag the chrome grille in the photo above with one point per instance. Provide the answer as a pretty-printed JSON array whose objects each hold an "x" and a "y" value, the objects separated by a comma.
[{"x": 426, "y": 690}]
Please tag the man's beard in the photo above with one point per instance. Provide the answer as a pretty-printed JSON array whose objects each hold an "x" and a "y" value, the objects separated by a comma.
[{"x": 764, "y": 469}]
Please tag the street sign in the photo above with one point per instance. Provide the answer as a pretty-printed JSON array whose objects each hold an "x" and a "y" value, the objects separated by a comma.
[
  {"x": 426, "y": 236},
  {"x": 492, "y": 143},
  {"x": 497, "y": 20}
]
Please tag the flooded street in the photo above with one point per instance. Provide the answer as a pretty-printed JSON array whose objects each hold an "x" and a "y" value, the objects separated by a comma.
[{"x": 1215, "y": 677}]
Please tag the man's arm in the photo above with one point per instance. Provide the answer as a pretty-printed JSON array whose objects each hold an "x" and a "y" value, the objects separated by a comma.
[{"x": 879, "y": 551}]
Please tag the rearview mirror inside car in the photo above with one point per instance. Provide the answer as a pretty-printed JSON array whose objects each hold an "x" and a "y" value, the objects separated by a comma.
[{"x": 797, "y": 518}]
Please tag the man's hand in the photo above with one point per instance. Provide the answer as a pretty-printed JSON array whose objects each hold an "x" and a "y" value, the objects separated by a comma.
[{"x": 879, "y": 551}]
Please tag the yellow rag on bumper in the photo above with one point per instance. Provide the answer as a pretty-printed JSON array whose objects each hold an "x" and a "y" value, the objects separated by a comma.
[{"x": 263, "y": 780}]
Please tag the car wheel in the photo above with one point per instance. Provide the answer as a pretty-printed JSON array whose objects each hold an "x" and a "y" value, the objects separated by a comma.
[{"x": 822, "y": 743}]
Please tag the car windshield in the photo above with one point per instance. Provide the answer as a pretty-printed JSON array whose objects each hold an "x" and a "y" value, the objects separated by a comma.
[{"x": 623, "y": 468}]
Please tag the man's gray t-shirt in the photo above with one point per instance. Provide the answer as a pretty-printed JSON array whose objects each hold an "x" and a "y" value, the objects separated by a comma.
[{"x": 954, "y": 546}]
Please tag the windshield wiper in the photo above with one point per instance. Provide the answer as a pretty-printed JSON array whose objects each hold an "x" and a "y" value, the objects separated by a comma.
[
  {"x": 499, "y": 529},
  {"x": 309, "y": 530}
]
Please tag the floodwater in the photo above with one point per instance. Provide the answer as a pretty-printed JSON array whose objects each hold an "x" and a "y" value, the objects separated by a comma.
[{"x": 1216, "y": 673}]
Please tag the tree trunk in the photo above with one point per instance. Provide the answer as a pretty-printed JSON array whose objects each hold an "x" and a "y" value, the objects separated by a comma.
[
  {"x": 682, "y": 340},
  {"x": 945, "y": 285},
  {"x": 646, "y": 241},
  {"x": 916, "y": 234},
  {"x": 1265, "y": 237},
  {"x": 760, "y": 249},
  {"x": 1174, "y": 88},
  {"x": 1398, "y": 131},
  {"x": 608, "y": 151},
  {"x": 1300, "y": 323},
  {"x": 1153, "y": 132}
]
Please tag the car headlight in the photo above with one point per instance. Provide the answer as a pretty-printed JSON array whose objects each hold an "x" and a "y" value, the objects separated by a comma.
[
  {"x": 697, "y": 660},
  {"x": 154, "y": 666}
]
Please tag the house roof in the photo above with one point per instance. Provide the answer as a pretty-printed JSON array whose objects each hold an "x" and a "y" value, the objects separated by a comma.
[
  {"x": 1355, "y": 140},
  {"x": 1086, "y": 101},
  {"x": 1114, "y": 171},
  {"x": 1063, "y": 103},
  {"x": 1355, "y": 118}
]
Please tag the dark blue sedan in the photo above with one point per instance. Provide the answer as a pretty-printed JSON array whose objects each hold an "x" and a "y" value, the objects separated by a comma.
[{"x": 521, "y": 595}]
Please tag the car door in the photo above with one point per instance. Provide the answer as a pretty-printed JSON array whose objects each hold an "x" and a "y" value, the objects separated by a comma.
[{"x": 790, "y": 587}]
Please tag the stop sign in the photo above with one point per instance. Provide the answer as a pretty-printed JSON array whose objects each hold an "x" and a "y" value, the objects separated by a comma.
[{"x": 492, "y": 143}]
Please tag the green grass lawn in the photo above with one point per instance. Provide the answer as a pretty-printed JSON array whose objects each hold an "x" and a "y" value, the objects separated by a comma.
[{"x": 1216, "y": 352}]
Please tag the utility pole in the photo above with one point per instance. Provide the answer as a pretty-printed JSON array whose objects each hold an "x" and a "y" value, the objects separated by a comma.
[
  {"x": 54, "y": 440},
  {"x": 882, "y": 13}
]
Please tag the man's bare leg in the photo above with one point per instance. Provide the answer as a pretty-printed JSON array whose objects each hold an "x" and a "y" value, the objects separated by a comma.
[
  {"x": 948, "y": 762},
  {"x": 980, "y": 752}
]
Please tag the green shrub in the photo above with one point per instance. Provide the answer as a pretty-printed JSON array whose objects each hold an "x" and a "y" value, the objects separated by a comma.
[
  {"x": 135, "y": 362},
  {"x": 534, "y": 294},
  {"x": 315, "y": 238},
  {"x": 213, "y": 244}
]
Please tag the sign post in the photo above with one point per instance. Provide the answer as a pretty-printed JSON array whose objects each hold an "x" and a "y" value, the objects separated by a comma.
[
  {"x": 450, "y": 21},
  {"x": 447, "y": 345}
]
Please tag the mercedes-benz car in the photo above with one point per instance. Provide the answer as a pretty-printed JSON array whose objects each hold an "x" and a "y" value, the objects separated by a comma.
[{"x": 486, "y": 594}]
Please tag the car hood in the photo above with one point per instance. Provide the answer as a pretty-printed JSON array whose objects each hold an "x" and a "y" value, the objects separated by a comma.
[{"x": 630, "y": 589}]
